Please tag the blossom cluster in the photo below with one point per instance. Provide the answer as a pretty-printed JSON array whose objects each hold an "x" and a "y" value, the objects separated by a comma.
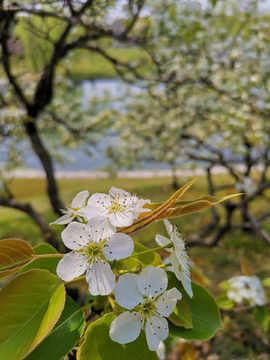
[
  {"x": 247, "y": 288},
  {"x": 96, "y": 245}
]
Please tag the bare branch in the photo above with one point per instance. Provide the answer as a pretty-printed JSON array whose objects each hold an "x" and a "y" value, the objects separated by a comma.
[{"x": 27, "y": 208}]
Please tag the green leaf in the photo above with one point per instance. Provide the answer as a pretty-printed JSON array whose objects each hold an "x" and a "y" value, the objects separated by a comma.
[
  {"x": 14, "y": 254},
  {"x": 99, "y": 346},
  {"x": 261, "y": 315},
  {"x": 224, "y": 302},
  {"x": 30, "y": 306},
  {"x": 224, "y": 285},
  {"x": 45, "y": 249},
  {"x": 181, "y": 316},
  {"x": 151, "y": 258},
  {"x": 266, "y": 282},
  {"x": 204, "y": 312},
  {"x": 49, "y": 263},
  {"x": 66, "y": 333}
]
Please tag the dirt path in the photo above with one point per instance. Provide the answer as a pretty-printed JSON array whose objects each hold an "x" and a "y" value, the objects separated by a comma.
[{"x": 31, "y": 174}]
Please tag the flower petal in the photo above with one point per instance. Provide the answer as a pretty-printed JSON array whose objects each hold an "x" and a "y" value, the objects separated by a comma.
[
  {"x": 152, "y": 281},
  {"x": 167, "y": 301},
  {"x": 120, "y": 219},
  {"x": 115, "y": 192},
  {"x": 71, "y": 266},
  {"x": 169, "y": 227},
  {"x": 162, "y": 240},
  {"x": 160, "y": 327},
  {"x": 126, "y": 327},
  {"x": 127, "y": 293},
  {"x": 151, "y": 337},
  {"x": 97, "y": 204},
  {"x": 100, "y": 277},
  {"x": 99, "y": 228},
  {"x": 186, "y": 282},
  {"x": 80, "y": 199},
  {"x": 119, "y": 246},
  {"x": 74, "y": 236},
  {"x": 65, "y": 219}
]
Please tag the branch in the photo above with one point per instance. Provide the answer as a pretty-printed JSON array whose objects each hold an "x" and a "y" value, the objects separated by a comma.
[
  {"x": 5, "y": 57},
  {"x": 27, "y": 208},
  {"x": 256, "y": 225}
]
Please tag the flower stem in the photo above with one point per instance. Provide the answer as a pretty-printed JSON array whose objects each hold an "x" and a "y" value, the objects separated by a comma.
[
  {"x": 112, "y": 305},
  {"x": 151, "y": 250},
  {"x": 164, "y": 265},
  {"x": 48, "y": 256}
]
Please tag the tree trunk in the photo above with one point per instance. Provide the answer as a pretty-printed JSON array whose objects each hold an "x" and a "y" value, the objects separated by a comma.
[{"x": 45, "y": 159}]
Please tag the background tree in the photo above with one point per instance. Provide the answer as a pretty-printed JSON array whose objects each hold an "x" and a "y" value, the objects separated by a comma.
[
  {"x": 207, "y": 104},
  {"x": 51, "y": 32}
]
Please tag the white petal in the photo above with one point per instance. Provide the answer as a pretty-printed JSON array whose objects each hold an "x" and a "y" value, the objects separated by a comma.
[
  {"x": 115, "y": 192},
  {"x": 101, "y": 279},
  {"x": 120, "y": 219},
  {"x": 65, "y": 219},
  {"x": 71, "y": 266},
  {"x": 186, "y": 282},
  {"x": 74, "y": 236},
  {"x": 159, "y": 326},
  {"x": 162, "y": 240},
  {"x": 151, "y": 337},
  {"x": 119, "y": 246},
  {"x": 99, "y": 228},
  {"x": 98, "y": 203},
  {"x": 80, "y": 199},
  {"x": 126, "y": 327},
  {"x": 141, "y": 202},
  {"x": 168, "y": 226},
  {"x": 152, "y": 281},
  {"x": 167, "y": 301},
  {"x": 127, "y": 293}
]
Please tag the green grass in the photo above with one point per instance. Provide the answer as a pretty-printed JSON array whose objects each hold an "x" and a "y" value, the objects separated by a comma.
[{"x": 35, "y": 51}]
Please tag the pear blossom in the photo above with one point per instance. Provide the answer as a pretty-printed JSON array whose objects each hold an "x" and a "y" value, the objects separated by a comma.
[
  {"x": 247, "y": 288},
  {"x": 144, "y": 294},
  {"x": 73, "y": 210},
  {"x": 161, "y": 351},
  {"x": 179, "y": 257},
  {"x": 118, "y": 206},
  {"x": 93, "y": 246}
]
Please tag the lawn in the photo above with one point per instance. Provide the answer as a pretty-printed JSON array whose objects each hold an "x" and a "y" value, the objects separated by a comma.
[{"x": 243, "y": 338}]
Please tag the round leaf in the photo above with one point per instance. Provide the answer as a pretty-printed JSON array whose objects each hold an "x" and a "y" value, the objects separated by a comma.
[
  {"x": 14, "y": 254},
  {"x": 99, "y": 346},
  {"x": 204, "y": 312},
  {"x": 30, "y": 306}
]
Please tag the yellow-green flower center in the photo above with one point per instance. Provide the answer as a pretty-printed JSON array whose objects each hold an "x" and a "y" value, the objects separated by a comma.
[
  {"x": 115, "y": 206},
  {"x": 147, "y": 308}
]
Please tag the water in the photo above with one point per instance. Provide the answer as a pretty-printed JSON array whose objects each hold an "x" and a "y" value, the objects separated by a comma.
[{"x": 76, "y": 160}]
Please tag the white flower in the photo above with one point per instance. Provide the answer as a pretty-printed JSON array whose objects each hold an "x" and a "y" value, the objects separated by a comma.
[
  {"x": 161, "y": 351},
  {"x": 119, "y": 207},
  {"x": 247, "y": 186},
  {"x": 179, "y": 256},
  {"x": 247, "y": 288},
  {"x": 145, "y": 293},
  {"x": 93, "y": 246},
  {"x": 73, "y": 210}
]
